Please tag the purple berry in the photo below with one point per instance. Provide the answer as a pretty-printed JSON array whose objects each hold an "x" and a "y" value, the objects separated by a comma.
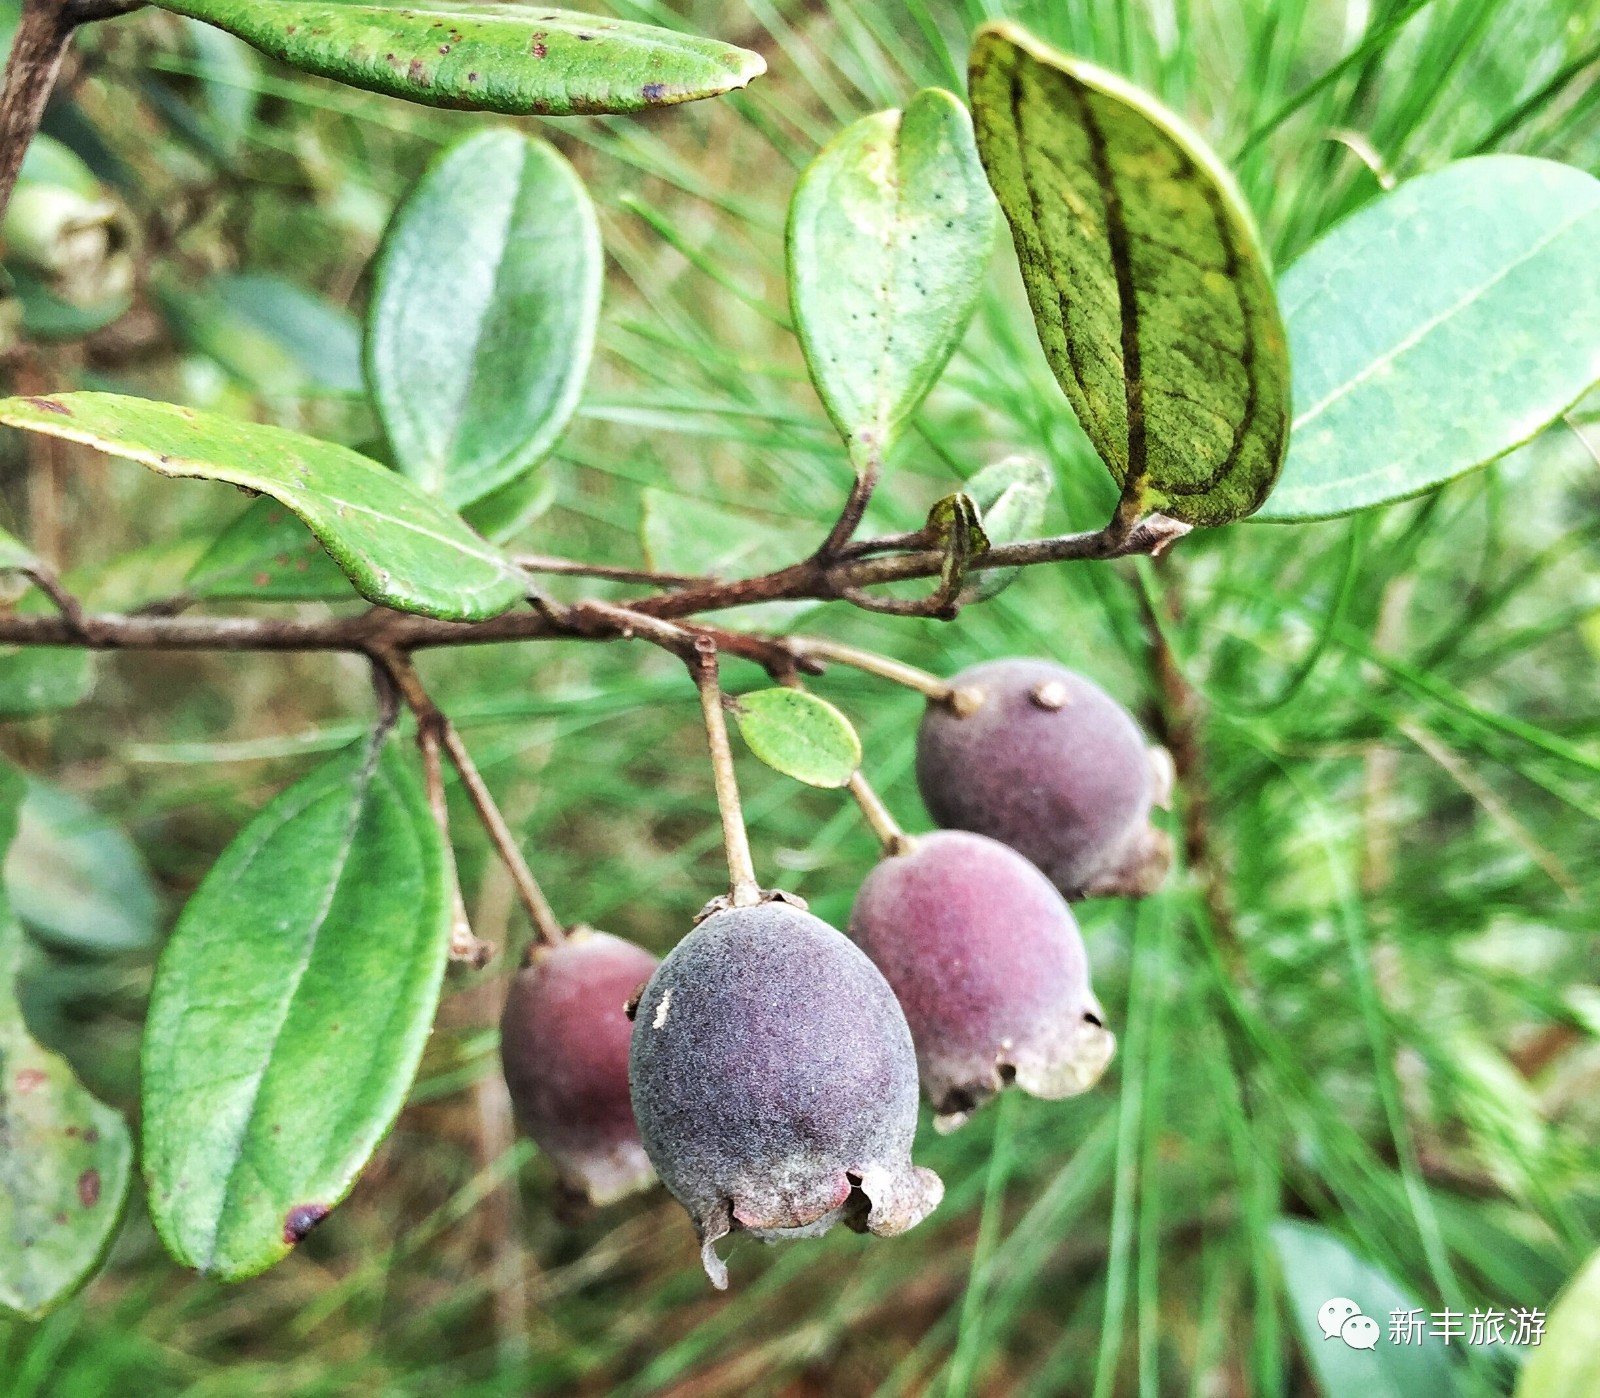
[
  {"x": 1045, "y": 761},
  {"x": 564, "y": 1047},
  {"x": 775, "y": 1083},
  {"x": 989, "y": 967}
]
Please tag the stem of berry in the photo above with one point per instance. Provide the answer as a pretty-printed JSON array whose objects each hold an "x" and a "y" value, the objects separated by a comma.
[
  {"x": 893, "y": 839},
  {"x": 870, "y": 662},
  {"x": 743, "y": 891},
  {"x": 436, "y": 732}
]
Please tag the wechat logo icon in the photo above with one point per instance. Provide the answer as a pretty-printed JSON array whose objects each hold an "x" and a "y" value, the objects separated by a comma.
[{"x": 1341, "y": 1319}]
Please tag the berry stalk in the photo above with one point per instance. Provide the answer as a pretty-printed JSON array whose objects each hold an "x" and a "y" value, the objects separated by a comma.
[{"x": 743, "y": 891}]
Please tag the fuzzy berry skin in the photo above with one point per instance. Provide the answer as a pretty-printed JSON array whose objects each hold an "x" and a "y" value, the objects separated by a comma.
[
  {"x": 1050, "y": 764},
  {"x": 564, "y": 1048},
  {"x": 775, "y": 1083},
  {"x": 988, "y": 964}
]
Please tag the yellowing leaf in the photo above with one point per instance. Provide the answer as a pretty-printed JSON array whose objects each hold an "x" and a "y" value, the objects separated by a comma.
[{"x": 1147, "y": 281}]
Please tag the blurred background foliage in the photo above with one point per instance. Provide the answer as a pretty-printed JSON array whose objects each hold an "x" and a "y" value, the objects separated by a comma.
[{"x": 1372, "y": 1011}]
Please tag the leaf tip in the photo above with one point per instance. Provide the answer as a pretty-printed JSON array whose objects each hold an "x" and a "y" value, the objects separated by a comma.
[{"x": 300, "y": 1220}]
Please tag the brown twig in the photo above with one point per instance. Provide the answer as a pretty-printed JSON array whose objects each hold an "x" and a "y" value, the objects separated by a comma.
[
  {"x": 1178, "y": 719},
  {"x": 441, "y": 733},
  {"x": 855, "y": 506},
  {"x": 404, "y": 632},
  {"x": 888, "y": 830},
  {"x": 743, "y": 890},
  {"x": 571, "y": 567},
  {"x": 45, "y": 578},
  {"x": 820, "y": 648},
  {"x": 44, "y": 30},
  {"x": 464, "y": 946}
]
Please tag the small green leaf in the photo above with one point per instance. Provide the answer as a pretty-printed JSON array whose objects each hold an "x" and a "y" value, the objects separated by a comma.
[
  {"x": 519, "y": 59},
  {"x": 1011, "y": 497},
  {"x": 800, "y": 735},
  {"x": 890, "y": 233},
  {"x": 290, "y": 1010},
  {"x": 1437, "y": 329},
  {"x": 484, "y": 308},
  {"x": 76, "y": 879},
  {"x": 1318, "y": 1268},
  {"x": 1566, "y": 1363},
  {"x": 1148, "y": 284},
  {"x": 274, "y": 336},
  {"x": 267, "y": 554},
  {"x": 955, "y": 526},
  {"x": 400, "y": 548},
  {"x": 65, "y": 1158}
]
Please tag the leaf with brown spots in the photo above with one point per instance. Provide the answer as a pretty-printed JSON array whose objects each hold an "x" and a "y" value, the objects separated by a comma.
[
  {"x": 1151, "y": 294},
  {"x": 891, "y": 230},
  {"x": 64, "y": 1157},
  {"x": 519, "y": 59}
]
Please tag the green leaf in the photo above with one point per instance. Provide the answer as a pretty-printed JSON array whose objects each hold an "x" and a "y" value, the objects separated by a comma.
[
  {"x": 14, "y": 554},
  {"x": 65, "y": 1158},
  {"x": 76, "y": 879},
  {"x": 38, "y": 680},
  {"x": 954, "y": 524},
  {"x": 1437, "y": 329},
  {"x": 270, "y": 334},
  {"x": 1317, "y": 1268},
  {"x": 483, "y": 318},
  {"x": 891, "y": 229},
  {"x": 267, "y": 554},
  {"x": 1149, "y": 288},
  {"x": 519, "y": 59},
  {"x": 800, "y": 735},
  {"x": 1011, "y": 497},
  {"x": 154, "y": 573},
  {"x": 51, "y": 162},
  {"x": 504, "y": 513},
  {"x": 400, "y": 548},
  {"x": 290, "y": 1010},
  {"x": 46, "y": 316},
  {"x": 230, "y": 83},
  {"x": 1566, "y": 1363}
]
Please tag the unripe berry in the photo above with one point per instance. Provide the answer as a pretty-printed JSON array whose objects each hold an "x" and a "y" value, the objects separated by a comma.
[
  {"x": 989, "y": 967},
  {"x": 775, "y": 1083},
  {"x": 564, "y": 1047},
  {"x": 1045, "y": 761}
]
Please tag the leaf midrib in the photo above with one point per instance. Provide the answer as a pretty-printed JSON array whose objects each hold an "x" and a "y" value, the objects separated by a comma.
[
  {"x": 1411, "y": 341},
  {"x": 296, "y": 975}
]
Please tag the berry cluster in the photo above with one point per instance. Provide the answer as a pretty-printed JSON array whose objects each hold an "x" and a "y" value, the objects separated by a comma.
[{"x": 767, "y": 1070}]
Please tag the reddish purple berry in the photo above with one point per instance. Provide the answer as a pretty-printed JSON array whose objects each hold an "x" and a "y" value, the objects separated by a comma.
[
  {"x": 775, "y": 1083},
  {"x": 1047, "y": 762},
  {"x": 989, "y": 967},
  {"x": 564, "y": 1047}
]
